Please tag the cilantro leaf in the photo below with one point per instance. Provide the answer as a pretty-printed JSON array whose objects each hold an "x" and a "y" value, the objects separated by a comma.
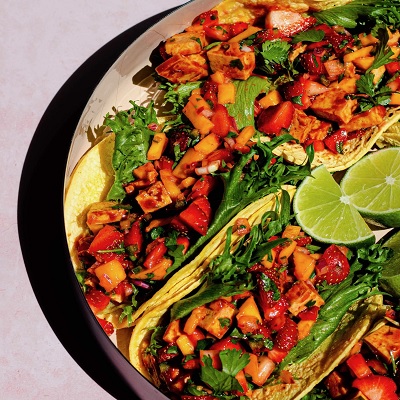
[
  {"x": 311, "y": 35},
  {"x": 274, "y": 52},
  {"x": 233, "y": 361}
]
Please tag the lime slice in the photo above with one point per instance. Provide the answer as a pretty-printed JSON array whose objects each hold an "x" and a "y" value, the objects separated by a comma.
[
  {"x": 373, "y": 186},
  {"x": 325, "y": 213},
  {"x": 390, "y": 279}
]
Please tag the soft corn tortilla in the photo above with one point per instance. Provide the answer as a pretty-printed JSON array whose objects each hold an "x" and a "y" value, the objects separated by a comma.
[
  {"x": 89, "y": 183},
  {"x": 353, "y": 150}
]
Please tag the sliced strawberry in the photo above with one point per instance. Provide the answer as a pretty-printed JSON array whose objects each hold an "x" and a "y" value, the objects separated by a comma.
[
  {"x": 220, "y": 32},
  {"x": 277, "y": 355},
  {"x": 202, "y": 187},
  {"x": 206, "y": 18},
  {"x": 358, "y": 366},
  {"x": 197, "y": 215},
  {"x": 221, "y": 121},
  {"x": 377, "y": 387},
  {"x": 309, "y": 314},
  {"x": 288, "y": 336},
  {"x": 275, "y": 118},
  {"x": 183, "y": 241},
  {"x": 295, "y": 92},
  {"x": 288, "y": 23},
  {"x": 106, "y": 325},
  {"x": 335, "y": 141},
  {"x": 97, "y": 300},
  {"x": 134, "y": 239},
  {"x": 392, "y": 67},
  {"x": 333, "y": 267},
  {"x": 157, "y": 251},
  {"x": 312, "y": 63},
  {"x": 226, "y": 344},
  {"x": 108, "y": 238}
]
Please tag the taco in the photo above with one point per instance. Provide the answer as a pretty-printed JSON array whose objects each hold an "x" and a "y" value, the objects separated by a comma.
[
  {"x": 256, "y": 322},
  {"x": 327, "y": 73}
]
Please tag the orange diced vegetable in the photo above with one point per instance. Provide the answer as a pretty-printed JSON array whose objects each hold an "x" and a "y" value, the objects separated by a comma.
[
  {"x": 145, "y": 172},
  {"x": 259, "y": 368},
  {"x": 190, "y": 157},
  {"x": 158, "y": 146},
  {"x": 199, "y": 121},
  {"x": 245, "y": 135},
  {"x": 270, "y": 99},
  {"x": 185, "y": 345},
  {"x": 364, "y": 62},
  {"x": 156, "y": 273},
  {"x": 249, "y": 308},
  {"x": 218, "y": 77},
  {"x": 286, "y": 252},
  {"x": 363, "y": 52},
  {"x": 304, "y": 328},
  {"x": 110, "y": 274},
  {"x": 208, "y": 144},
  {"x": 193, "y": 321},
  {"x": 300, "y": 294},
  {"x": 251, "y": 30},
  {"x": 226, "y": 93},
  {"x": 395, "y": 99},
  {"x": 304, "y": 264},
  {"x": 291, "y": 232}
]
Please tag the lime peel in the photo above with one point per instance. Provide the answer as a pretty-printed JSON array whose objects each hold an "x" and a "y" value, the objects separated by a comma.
[{"x": 324, "y": 212}]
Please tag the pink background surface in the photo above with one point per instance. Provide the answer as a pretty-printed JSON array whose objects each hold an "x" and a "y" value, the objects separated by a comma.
[{"x": 42, "y": 43}]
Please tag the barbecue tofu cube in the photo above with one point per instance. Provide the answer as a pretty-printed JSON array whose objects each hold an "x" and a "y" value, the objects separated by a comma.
[
  {"x": 384, "y": 342},
  {"x": 153, "y": 198},
  {"x": 232, "y": 61},
  {"x": 103, "y": 213},
  {"x": 301, "y": 294},
  {"x": 334, "y": 106},
  {"x": 182, "y": 69},
  {"x": 366, "y": 119},
  {"x": 217, "y": 322},
  {"x": 185, "y": 43}
]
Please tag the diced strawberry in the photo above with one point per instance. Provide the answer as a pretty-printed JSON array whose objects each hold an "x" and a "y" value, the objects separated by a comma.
[
  {"x": 309, "y": 314},
  {"x": 107, "y": 238},
  {"x": 157, "y": 251},
  {"x": 377, "y": 387},
  {"x": 317, "y": 144},
  {"x": 206, "y": 18},
  {"x": 106, "y": 325},
  {"x": 272, "y": 308},
  {"x": 335, "y": 141},
  {"x": 202, "y": 187},
  {"x": 163, "y": 163},
  {"x": 209, "y": 91},
  {"x": 358, "y": 366},
  {"x": 134, "y": 239},
  {"x": 288, "y": 336},
  {"x": 226, "y": 344},
  {"x": 275, "y": 118},
  {"x": 220, "y": 32},
  {"x": 221, "y": 120},
  {"x": 288, "y": 23},
  {"x": 312, "y": 63},
  {"x": 277, "y": 355},
  {"x": 392, "y": 67},
  {"x": 97, "y": 300},
  {"x": 197, "y": 215},
  {"x": 123, "y": 290},
  {"x": 225, "y": 155},
  {"x": 333, "y": 267},
  {"x": 295, "y": 92},
  {"x": 183, "y": 241},
  {"x": 238, "y": 27}
]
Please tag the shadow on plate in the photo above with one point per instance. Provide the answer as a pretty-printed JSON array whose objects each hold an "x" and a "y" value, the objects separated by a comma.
[{"x": 41, "y": 230}]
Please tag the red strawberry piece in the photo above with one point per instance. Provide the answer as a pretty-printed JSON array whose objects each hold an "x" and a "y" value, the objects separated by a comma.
[
  {"x": 288, "y": 336},
  {"x": 333, "y": 267},
  {"x": 377, "y": 387},
  {"x": 106, "y": 325},
  {"x": 97, "y": 300}
]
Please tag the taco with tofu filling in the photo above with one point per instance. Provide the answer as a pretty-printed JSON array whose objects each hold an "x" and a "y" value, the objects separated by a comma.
[
  {"x": 266, "y": 317},
  {"x": 330, "y": 71}
]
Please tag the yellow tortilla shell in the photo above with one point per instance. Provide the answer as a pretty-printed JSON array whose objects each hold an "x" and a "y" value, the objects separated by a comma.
[
  {"x": 89, "y": 183},
  {"x": 353, "y": 150}
]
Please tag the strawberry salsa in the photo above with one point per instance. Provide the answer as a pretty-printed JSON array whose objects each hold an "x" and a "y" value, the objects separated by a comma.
[
  {"x": 327, "y": 78},
  {"x": 262, "y": 307}
]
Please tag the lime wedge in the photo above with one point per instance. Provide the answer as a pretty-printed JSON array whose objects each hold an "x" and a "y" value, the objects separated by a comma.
[
  {"x": 390, "y": 279},
  {"x": 325, "y": 213},
  {"x": 373, "y": 186}
]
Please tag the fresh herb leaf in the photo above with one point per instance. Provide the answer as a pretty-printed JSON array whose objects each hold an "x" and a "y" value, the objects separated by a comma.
[
  {"x": 274, "y": 53},
  {"x": 132, "y": 140},
  {"x": 311, "y": 35},
  {"x": 233, "y": 361}
]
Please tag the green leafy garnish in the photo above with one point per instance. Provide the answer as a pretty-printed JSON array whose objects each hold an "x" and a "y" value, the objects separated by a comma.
[
  {"x": 274, "y": 53},
  {"x": 132, "y": 139},
  {"x": 233, "y": 361}
]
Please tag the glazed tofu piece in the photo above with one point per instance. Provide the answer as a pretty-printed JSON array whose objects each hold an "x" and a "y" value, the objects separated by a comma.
[
  {"x": 185, "y": 43},
  {"x": 181, "y": 69},
  {"x": 334, "y": 106},
  {"x": 218, "y": 321},
  {"x": 385, "y": 342},
  {"x": 301, "y": 294},
  {"x": 308, "y": 127},
  {"x": 103, "y": 213},
  {"x": 372, "y": 117},
  {"x": 153, "y": 198},
  {"x": 232, "y": 61}
]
